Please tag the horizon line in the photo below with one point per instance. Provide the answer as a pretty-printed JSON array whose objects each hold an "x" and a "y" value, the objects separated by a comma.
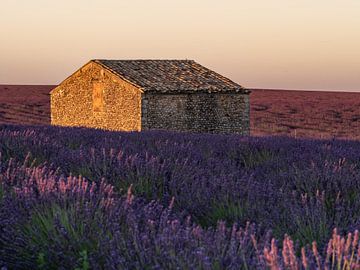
[{"x": 249, "y": 88}]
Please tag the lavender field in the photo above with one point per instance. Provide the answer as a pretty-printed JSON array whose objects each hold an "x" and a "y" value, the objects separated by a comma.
[{"x": 73, "y": 198}]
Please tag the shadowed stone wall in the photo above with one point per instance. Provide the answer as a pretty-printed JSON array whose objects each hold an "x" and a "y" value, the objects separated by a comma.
[
  {"x": 94, "y": 97},
  {"x": 197, "y": 112}
]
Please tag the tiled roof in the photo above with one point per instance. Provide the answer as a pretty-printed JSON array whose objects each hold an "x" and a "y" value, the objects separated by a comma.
[{"x": 171, "y": 76}]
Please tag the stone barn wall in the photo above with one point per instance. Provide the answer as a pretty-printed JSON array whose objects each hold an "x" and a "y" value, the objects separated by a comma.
[
  {"x": 94, "y": 97},
  {"x": 197, "y": 112}
]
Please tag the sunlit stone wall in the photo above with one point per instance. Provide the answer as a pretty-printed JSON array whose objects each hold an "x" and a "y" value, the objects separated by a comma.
[{"x": 94, "y": 97}]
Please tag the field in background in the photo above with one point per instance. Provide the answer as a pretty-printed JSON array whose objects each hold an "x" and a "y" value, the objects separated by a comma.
[
  {"x": 273, "y": 112},
  {"x": 25, "y": 104},
  {"x": 305, "y": 113}
]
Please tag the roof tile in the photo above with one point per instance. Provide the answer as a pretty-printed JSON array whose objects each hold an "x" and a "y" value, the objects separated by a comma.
[{"x": 171, "y": 76}]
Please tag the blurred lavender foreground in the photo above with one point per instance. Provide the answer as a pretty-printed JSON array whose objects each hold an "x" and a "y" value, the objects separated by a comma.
[{"x": 73, "y": 198}]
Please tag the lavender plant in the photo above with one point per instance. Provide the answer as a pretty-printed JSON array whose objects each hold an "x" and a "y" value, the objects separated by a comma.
[{"x": 49, "y": 216}]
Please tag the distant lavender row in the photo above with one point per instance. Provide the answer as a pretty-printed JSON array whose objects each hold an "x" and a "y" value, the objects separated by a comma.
[
  {"x": 304, "y": 188},
  {"x": 49, "y": 221}
]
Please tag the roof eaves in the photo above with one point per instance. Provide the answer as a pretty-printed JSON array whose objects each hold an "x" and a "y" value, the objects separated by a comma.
[
  {"x": 225, "y": 90},
  {"x": 97, "y": 61},
  {"x": 218, "y": 75}
]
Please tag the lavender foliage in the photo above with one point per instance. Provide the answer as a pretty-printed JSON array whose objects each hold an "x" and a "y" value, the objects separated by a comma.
[{"x": 52, "y": 218}]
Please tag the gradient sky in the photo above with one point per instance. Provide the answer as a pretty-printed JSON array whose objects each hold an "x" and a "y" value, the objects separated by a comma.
[{"x": 293, "y": 44}]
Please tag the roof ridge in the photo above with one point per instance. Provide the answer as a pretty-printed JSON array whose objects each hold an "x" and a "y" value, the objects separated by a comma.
[
  {"x": 117, "y": 73},
  {"x": 164, "y": 75},
  {"x": 129, "y": 60}
]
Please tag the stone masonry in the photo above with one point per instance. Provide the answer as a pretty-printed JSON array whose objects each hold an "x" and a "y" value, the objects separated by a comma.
[
  {"x": 72, "y": 101},
  {"x": 135, "y": 95},
  {"x": 197, "y": 112}
]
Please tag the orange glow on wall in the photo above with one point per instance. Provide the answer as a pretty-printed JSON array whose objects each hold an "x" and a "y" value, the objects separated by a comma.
[{"x": 98, "y": 97}]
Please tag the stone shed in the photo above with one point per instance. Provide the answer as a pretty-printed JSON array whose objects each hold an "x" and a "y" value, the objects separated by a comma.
[{"x": 134, "y": 95}]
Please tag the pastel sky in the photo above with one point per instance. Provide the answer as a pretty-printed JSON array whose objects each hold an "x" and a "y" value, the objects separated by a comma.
[{"x": 289, "y": 44}]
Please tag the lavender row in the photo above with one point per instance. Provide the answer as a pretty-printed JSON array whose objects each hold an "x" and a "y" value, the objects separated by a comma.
[
  {"x": 49, "y": 221},
  {"x": 304, "y": 188}
]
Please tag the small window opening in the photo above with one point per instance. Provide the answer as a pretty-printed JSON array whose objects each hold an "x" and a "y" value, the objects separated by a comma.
[{"x": 98, "y": 97}]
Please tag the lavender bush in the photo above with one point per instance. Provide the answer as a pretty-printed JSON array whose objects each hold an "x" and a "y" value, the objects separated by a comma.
[{"x": 162, "y": 200}]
